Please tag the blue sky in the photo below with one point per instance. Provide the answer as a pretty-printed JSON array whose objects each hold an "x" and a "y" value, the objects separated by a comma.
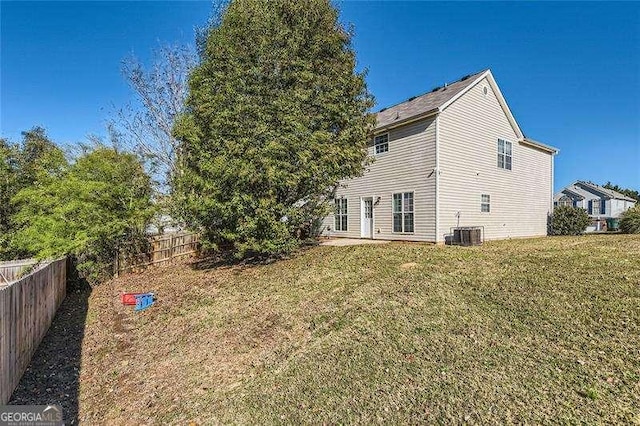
[{"x": 569, "y": 71}]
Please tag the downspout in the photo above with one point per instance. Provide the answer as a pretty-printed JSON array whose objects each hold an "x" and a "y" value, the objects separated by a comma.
[
  {"x": 550, "y": 213},
  {"x": 553, "y": 160},
  {"x": 437, "y": 173}
]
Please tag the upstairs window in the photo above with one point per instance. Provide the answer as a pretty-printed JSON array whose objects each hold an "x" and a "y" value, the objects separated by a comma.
[
  {"x": 504, "y": 154},
  {"x": 341, "y": 214},
  {"x": 403, "y": 212},
  {"x": 485, "y": 203},
  {"x": 381, "y": 143},
  {"x": 566, "y": 201}
]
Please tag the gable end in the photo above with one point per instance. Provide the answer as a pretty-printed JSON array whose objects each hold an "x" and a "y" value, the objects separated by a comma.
[{"x": 501, "y": 100}]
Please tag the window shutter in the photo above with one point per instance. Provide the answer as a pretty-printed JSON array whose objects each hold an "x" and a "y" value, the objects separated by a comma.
[
  {"x": 575, "y": 203},
  {"x": 590, "y": 206},
  {"x": 603, "y": 206}
]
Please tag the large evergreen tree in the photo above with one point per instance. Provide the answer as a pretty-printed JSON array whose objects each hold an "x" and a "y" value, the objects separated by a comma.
[{"x": 277, "y": 114}]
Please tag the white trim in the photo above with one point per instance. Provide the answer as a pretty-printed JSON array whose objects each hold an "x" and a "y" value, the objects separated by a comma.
[
  {"x": 373, "y": 217},
  {"x": 375, "y": 153},
  {"x": 504, "y": 161},
  {"x": 362, "y": 218},
  {"x": 482, "y": 203},
  {"x": 505, "y": 106},
  {"x": 539, "y": 145},
  {"x": 437, "y": 172},
  {"x": 402, "y": 212},
  {"x": 339, "y": 215},
  {"x": 496, "y": 91},
  {"x": 463, "y": 91},
  {"x": 552, "y": 158}
]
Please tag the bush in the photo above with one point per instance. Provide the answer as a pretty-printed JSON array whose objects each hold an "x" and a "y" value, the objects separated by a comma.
[
  {"x": 630, "y": 221},
  {"x": 567, "y": 220},
  {"x": 99, "y": 205}
]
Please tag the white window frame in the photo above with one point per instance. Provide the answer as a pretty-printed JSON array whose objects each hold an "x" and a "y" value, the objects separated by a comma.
[
  {"x": 565, "y": 201},
  {"x": 403, "y": 211},
  {"x": 505, "y": 154},
  {"x": 485, "y": 202},
  {"x": 595, "y": 205},
  {"x": 339, "y": 213},
  {"x": 381, "y": 144}
]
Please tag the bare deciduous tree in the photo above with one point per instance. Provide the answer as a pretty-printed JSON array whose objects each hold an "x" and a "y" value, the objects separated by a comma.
[{"x": 160, "y": 92}]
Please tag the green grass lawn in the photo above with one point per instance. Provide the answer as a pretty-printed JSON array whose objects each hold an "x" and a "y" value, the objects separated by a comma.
[{"x": 523, "y": 331}]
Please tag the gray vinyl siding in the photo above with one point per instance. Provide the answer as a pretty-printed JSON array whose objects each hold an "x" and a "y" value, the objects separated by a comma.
[
  {"x": 521, "y": 198},
  {"x": 618, "y": 207},
  {"x": 595, "y": 199},
  {"x": 406, "y": 167},
  {"x": 614, "y": 206}
]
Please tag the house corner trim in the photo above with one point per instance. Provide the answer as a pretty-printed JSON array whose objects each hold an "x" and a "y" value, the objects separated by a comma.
[{"x": 437, "y": 183}]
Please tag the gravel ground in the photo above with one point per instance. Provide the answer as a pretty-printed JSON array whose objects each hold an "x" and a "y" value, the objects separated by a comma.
[{"x": 52, "y": 376}]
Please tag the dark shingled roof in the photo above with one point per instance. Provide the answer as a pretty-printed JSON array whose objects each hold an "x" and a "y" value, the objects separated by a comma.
[{"x": 423, "y": 103}]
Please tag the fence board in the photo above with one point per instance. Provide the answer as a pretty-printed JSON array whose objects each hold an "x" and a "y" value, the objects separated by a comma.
[
  {"x": 163, "y": 250},
  {"x": 12, "y": 270},
  {"x": 27, "y": 308}
]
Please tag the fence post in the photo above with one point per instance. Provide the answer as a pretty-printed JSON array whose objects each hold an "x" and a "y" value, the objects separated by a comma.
[{"x": 116, "y": 264}]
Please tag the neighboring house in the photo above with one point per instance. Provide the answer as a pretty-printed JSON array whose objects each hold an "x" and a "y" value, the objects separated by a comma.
[
  {"x": 452, "y": 157},
  {"x": 599, "y": 202},
  {"x": 163, "y": 224}
]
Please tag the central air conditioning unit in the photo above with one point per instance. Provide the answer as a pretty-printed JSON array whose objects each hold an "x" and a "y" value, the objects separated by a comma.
[{"x": 467, "y": 236}]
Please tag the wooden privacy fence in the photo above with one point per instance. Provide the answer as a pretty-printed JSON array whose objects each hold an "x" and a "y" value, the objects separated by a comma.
[
  {"x": 27, "y": 308},
  {"x": 14, "y": 269},
  {"x": 163, "y": 250}
]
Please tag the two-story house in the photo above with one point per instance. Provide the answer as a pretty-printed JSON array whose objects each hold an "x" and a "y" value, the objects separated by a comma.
[
  {"x": 599, "y": 202},
  {"x": 452, "y": 157}
]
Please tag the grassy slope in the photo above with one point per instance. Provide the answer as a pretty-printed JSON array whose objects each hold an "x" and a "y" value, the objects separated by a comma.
[{"x": 514, "y": 331}]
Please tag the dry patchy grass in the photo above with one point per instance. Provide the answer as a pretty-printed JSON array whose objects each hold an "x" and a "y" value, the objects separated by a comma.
[{"x": 523, "y": 331}]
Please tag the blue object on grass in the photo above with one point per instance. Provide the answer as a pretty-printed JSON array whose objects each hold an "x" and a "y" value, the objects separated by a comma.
[{"x": 144, "y": 300}]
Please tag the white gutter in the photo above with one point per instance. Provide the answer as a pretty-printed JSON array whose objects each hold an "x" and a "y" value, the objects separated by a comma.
[
  {"x": 539, "y": 145},
  {"x": 437, "y": 172}
]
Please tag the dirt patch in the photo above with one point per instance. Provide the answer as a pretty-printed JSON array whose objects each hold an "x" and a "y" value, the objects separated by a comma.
[{"x": 199, "y": 337}]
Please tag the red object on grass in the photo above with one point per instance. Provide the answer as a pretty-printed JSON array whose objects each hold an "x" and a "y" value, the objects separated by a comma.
[{"x": 129, "y": 298}]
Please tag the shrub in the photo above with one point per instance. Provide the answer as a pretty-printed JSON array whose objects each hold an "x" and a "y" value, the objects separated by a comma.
[
  {"x": 567, "y": 220},
  {"x": 101, "y": 204},
  {"x": 630, "y": 221}
]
